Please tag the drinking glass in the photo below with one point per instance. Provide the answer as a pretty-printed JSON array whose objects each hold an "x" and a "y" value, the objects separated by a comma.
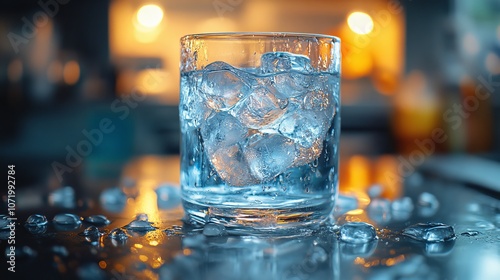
[{"x": 260, "y": 125}]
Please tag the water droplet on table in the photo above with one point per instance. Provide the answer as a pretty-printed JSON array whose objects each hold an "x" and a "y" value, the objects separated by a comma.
[
  {"x": 195, "y": 241},
  {"x": 470, "y": 233},
  {"x": 212, "y": 229},
  {"x": 36, "y": 220},
  {"x": 98, "y": 220},
  {"x": 67, "y": 219},
  {"x": 430, "y": 232},
  {"x": 118, "y": 234},
  {"x": 139, "y": 225},
  {"x": 357, "y": 232},
  {"x": 4, "y": 222}
]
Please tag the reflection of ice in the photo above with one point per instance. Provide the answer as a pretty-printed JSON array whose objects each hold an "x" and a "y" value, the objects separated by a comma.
[
  {"x": 359, "y": 250},
  {"x": 118, "y": 234},
  {"x": 211, "y": 229},
  {"x": 248, "y": 257},
  {"x": 92, "y": 231},
  {"x": 435, "y": 249}
]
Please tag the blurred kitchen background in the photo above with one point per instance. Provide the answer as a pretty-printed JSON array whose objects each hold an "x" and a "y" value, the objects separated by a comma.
[{"x": 412, "y": 70}]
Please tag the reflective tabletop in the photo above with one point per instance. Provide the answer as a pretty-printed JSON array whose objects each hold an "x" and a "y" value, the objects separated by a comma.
[{"x": 170, "y": 249}]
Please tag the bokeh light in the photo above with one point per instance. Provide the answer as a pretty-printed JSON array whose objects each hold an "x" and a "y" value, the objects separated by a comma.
[
  {"x": 71, "y": 72},
  {"x": 149, "y": 15},
  {"x": 360, "y": 23}
]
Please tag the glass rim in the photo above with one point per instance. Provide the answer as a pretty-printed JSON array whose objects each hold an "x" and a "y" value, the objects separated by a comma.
[{"x": 256, "y": 35}]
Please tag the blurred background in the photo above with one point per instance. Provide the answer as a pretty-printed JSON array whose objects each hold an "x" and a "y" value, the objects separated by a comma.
[{"x": 86, "y": 86}]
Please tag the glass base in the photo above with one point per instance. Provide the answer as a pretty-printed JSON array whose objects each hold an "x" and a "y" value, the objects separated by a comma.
[{"x": 269, "y": 221}]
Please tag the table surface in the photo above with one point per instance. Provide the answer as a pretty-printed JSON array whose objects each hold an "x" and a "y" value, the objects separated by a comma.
[{"x": 177, "y": 251}]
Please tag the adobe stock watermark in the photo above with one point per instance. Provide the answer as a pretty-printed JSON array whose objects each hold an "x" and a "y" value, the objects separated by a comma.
[
  {"x": 224, "y": 6},
  {"x": 454, "y": 117},
  {"x": 29, "y": 29},
  {"x": 94, "y": 137}
]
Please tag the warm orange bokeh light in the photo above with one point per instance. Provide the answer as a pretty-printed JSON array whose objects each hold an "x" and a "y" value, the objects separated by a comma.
[
  {"x": 71, "y": 72},
  {"x": 360, "y": 23}
]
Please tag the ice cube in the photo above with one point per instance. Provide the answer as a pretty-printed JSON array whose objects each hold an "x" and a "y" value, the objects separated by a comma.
[
  {"x": 306, "y": 155},
  {"x": 292, "y": 84},
  {"x": 269, "y": 155},
  {"x": 223, "y": 85},
  {"x": 430, "y": 232},
  {"x": 304, "y": 127},
  {"x": 275, "y": 62},
  {"x": 261, "y": 108},
  {"x": 357, "y": 232},
  {"x": 222, "y": 134},
  {"x": 232, "y": 166},
  {"x": 221, "y": 131},
  {"x": 193, "y": 108}
]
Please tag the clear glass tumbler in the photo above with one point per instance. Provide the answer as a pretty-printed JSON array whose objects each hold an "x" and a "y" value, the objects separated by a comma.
[{"x": 260, "y": 125}]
